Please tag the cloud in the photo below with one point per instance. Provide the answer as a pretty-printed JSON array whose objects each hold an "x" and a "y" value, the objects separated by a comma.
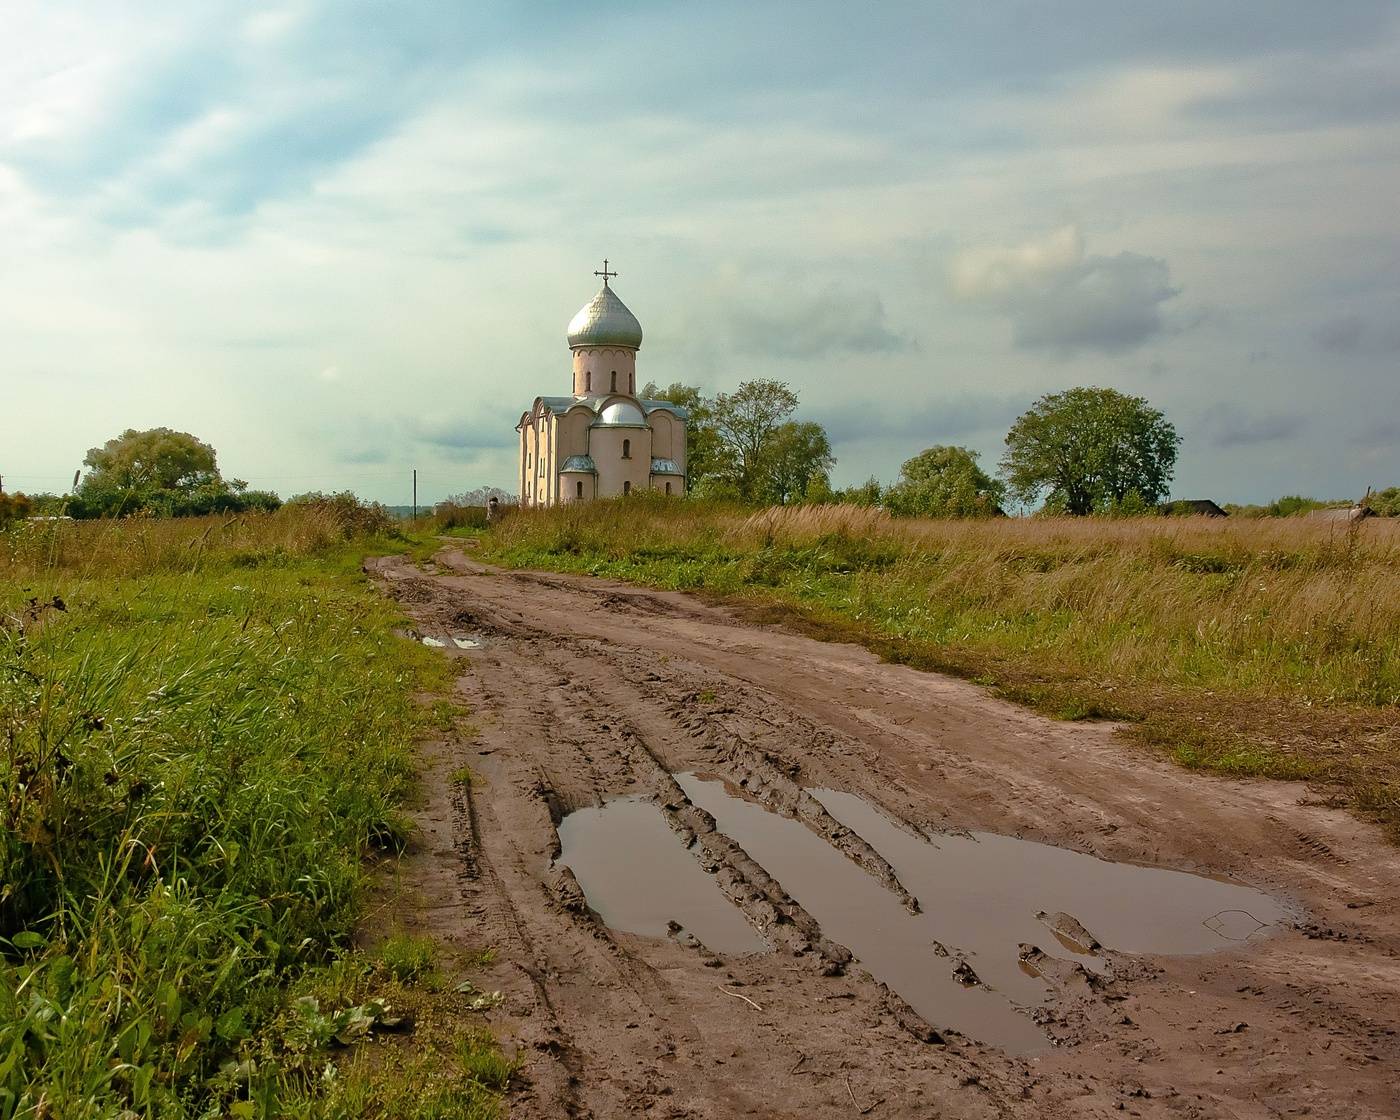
[
  {"x": 1350, "y": 333},
  {"x": 1232, "y": 426},
  {"x": 956, "y": 418},
  {"x": 835, "y": 320},
  {"x": 454, "y": 433},
  {"x": 1062, "y": 300}
]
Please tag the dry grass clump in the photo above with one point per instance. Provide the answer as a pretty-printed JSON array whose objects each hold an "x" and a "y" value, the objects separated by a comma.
[{"x": 141, "y": 546}]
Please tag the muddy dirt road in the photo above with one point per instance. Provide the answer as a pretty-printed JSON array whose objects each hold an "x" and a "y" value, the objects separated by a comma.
[{"x": 906, "y": 944}]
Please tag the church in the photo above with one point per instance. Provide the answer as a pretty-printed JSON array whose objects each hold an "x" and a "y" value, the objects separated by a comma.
[{"x": 604, "y": 441}]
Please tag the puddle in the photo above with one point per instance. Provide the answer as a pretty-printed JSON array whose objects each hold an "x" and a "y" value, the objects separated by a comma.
[
  {"x": 465, "y": 643},
  {"x": 637, "y": 876},
  {"x": 436, "y": 643},
  {"x": 981, "y": 895}
]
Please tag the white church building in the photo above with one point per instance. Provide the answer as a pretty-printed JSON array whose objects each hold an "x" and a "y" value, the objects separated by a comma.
[{"x": 603, "y": 441}]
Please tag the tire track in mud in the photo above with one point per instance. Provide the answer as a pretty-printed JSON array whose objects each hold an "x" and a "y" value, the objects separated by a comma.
[
  {"x": 575, "y": 711},
  {"x": 520, "y": 682},
  {"x": 690, "y": 736}
]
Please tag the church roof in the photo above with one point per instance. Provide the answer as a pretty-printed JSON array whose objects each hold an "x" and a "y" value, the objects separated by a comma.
[
  {"x": 594, "y": 404},
  {"x": 681, "y": 412},
  {"x": 621, "y": 414},
  {"x": 580, "y": 463},
  {"x": 605, "y": 321},
  {"x": 665, "y": 466}
]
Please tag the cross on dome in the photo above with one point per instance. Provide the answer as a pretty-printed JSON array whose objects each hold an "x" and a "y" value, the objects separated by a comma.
[{"x": 605, "y": 273}]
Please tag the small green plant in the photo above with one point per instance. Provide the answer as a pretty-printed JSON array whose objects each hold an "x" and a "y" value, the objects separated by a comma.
[
  {"x": 407, "y": 958},
  {"x": 482, "y": 1061}
]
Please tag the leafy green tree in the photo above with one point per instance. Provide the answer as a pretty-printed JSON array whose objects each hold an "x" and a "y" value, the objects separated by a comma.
[
  {"x": 745, "y": 421},
  {"x": 1087, "y": 449},
  {"x": 1386, "y": 503},
  {"x": 164, "y": 472},
  {"x": 944, "y": 482},
  {"x": 794, "y": 462},
  {"x": 702, "y": 450},
  {"x": 868, "y": 493}
]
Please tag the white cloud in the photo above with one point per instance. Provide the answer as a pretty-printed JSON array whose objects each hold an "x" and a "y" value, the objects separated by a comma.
[{"x": 1058, "y": 298}]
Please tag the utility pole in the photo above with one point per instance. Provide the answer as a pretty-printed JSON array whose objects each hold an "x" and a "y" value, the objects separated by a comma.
[{"x": 415, "y": 493}]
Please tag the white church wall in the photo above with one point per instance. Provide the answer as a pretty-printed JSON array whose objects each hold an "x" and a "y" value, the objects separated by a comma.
[{"x": 615, "y": 472}]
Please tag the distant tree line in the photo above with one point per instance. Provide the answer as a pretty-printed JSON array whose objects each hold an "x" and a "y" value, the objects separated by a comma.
[{"x": 1081, "y": 451}]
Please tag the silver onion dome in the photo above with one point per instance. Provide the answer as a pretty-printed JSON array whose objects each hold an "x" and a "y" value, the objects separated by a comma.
[{"x": 605, "y": 321}]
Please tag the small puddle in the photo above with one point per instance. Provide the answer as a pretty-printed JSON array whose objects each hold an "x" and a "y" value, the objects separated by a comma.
[{"x": 637, "y": 876}]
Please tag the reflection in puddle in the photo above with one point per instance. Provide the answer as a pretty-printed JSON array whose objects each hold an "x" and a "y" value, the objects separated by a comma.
[
  {"x": 862, "y": 914},
  {"x": 637, "y": 876},
  {"x": 982, "y": 895}
]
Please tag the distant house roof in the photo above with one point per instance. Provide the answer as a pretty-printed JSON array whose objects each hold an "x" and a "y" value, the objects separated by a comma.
[
  {"x": 1198, "y": 507},
  {"x": 1345, "y": 513},
  {"x": 665, "y": 466},
  {"x": 583, "y": 463}
]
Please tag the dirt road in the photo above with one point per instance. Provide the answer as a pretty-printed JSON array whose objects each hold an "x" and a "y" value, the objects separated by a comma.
[{"x": 582, "y": 690}]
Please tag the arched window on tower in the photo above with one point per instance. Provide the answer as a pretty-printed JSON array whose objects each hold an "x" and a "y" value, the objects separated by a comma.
[
  {"x": 579, "y": 488},
  {"x": 627, "y": 488},
  {"x": 668, "y": 487},
  {"x": 627, "y": 449},
  {"x": 614, "y": 381},
  {"x": 588, "y": 381}
]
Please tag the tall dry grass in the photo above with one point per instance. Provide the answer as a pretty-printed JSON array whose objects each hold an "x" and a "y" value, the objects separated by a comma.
[
  {"x": 1247, "y": 646},
  {"x": 1303, "y": 608}
]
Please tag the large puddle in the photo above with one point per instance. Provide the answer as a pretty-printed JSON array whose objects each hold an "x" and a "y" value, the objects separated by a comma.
[{"x": 982, "y": 895}]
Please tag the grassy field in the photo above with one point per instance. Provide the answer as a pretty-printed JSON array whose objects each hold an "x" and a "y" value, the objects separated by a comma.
[
  {"x": 1261, "y": 647},
  {"x": 208, "y": 730}
]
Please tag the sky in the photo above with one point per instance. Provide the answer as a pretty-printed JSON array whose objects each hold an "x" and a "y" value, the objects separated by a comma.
[{"x": 340, "y": 241}]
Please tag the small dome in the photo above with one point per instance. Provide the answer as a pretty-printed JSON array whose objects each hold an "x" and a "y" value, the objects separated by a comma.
[
  {"x": 621, "y": 414},
  {"x": 605, "y": 321}
]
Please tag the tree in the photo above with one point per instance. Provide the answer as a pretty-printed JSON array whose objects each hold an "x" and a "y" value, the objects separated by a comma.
[
  {"x": 944, "y": 482},
  {"x": 794, "y": 462},
  {"x": 745, "y": 421},
  {"x": 702, "y": 453},
  {"x": 1089, "y": 449},
  {"x": 164, "y": 472},
  {"x": 159, "y": 459},
  {"x": 867, "y": 493}
]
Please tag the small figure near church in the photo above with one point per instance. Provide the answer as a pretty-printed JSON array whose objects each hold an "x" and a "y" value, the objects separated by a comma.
[{"x": 603, "y": 441}]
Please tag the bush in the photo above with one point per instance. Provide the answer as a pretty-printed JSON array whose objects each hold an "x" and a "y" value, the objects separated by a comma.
[
  {"x": 355, "y": 518},
  {"x": 450, "y": 515}
]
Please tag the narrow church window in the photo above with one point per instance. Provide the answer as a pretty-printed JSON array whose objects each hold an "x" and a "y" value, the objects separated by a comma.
[
  {"x": 627, "y": 488},
  {"x": 627, "y": 449},
  {"x": 614, "y": 381},
  {"x": 668, "y": 487},
  {"x": 588, "y": 381},
  {"x": 579, "y": 485}
]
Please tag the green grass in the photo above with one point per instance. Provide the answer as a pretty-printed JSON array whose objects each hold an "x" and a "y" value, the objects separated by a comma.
[
  {"x": 208, "y": 732},
  {"x": 1242, "y": 646}
]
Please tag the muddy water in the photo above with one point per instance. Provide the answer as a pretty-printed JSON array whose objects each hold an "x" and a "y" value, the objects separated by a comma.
[
  {"x": 981, "y": 897},
  {"x": 637, "y": 876},
  {"x": 981, "y": 894},
  {"x": 856, "y": 910}
]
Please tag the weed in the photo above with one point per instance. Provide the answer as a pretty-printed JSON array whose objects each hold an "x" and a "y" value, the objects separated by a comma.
[
  {"x": 209, "y": 727},
  {"x": 406, "y": 958}
]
